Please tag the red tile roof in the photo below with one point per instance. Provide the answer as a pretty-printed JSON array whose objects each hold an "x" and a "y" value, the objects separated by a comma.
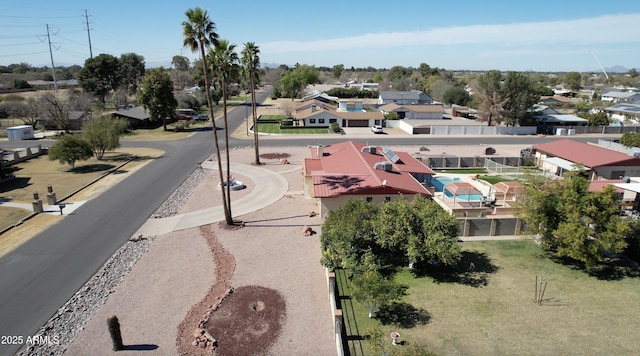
[
  {"x": 461, "y": 188},
  {"x": 508, "y": 187},
  {"x": 345, "y": 168},
  {"x": 589, "y": 155},
  {"x": 598, "y": 185}
]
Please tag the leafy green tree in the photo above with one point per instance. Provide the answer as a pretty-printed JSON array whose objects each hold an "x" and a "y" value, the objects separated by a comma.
[
  {"x": 375, "y": 291},
  {"x": 392, "y": 115},
  {"x": 337, "y": 70},
  {"x": 69, "y": 149},
  {"x": 223, "y": 60},
  {"x": 156, "y": 95},
  {"x": 489, "y": 97},
  {"x": 308, "y": 74},
  {"x": 359, "y": 234},
  {"x": 103, "y": 134},
  {"x": 100, "y": 75},
  {"x": 251, "y": 72},
  {"x": 457, "y": 95},
  {"x": 595, "y": 119},
  {"x": 291, "y": 84},
  {"x": 199, "y": 33},
  {"x": 180, "y": 63},
  {"x": 633, "y": 73},
  {"x": 20, "y": 84},
  {"x": 416, "y": 231},
  {"x": 132, "y": 67},
  {"x": 630, "y": 139},
  {"x": 571, "y": 221},
  {"x": 347, "y": 234},
  {"x": 573, "y": 80},
  {"x": 521, "y": 95}
]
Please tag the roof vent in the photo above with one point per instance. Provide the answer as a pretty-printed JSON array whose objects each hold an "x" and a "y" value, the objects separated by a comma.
[
  {"x": 383, "y": 166},
  {"x": 369, "y": 149}
]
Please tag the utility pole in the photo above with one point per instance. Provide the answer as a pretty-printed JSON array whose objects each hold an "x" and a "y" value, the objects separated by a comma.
[
  {"x": 53, "y": 67},
  {"x": 86, "y": 18}
]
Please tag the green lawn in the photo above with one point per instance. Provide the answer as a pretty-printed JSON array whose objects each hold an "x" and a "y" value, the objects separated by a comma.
[
  {"x": 491, "y": 311},
  {"x": 463, "y": 171},
  {"x": 495, "y": 179},
  {"x": 275, "y": 129},
  {"x": 271, "y": 117}
]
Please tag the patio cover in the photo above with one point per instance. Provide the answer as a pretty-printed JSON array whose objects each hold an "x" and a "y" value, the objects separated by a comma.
[
  {"x": 562, "y": 163},
  {"x": 461, "y": 188}
]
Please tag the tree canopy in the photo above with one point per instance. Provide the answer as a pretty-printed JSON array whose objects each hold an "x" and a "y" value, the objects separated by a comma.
[
  {"x": 396, "y": 233},
  {"x": 571, "y": 221},
  {"x": 156, "y": 95},
  {"x": 505, "y": 98},
  {"x": 631, "y": 139},
  {"x": 100, "y": 75},
  {"x": 103, "y": 134},
  {"x": 70, "y": 149}
]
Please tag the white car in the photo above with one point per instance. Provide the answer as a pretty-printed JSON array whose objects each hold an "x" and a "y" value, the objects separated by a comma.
[{"x": 376, "y": 129}]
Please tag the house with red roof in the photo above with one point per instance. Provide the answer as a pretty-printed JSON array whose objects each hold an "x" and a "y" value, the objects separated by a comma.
[
  {"x": 558, "y": 157},
  {"x": 348, "y": 170}
]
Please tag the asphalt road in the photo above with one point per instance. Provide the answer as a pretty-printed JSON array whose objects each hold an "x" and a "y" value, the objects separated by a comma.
[{"x": 40, "y": 276}]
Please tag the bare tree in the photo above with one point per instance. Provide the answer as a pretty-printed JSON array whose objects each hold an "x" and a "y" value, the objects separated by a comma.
[{"x": 56, "y": 109}]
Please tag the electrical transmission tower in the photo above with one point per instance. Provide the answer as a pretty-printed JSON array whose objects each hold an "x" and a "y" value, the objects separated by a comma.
[
  {"x": 86, "y": 18},
  {"x": 53, "y": 67}
]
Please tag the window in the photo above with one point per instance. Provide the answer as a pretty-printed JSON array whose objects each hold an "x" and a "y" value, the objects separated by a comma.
[
  {"x": 369, "y": 199},
  {"x": 321, "y": 121},
  {"x": 331, "y": 121},
  {"x": 312, "y": 121}
]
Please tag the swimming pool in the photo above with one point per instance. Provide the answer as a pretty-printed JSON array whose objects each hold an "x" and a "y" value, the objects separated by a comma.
[{"x": 439, "y": 182}]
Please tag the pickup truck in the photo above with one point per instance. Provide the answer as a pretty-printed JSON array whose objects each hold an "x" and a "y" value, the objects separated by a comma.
[{"x": 528, "y": 152}]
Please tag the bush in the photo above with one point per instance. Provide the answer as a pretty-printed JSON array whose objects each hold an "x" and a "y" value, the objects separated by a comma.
[{"x": 335, "y": 127}]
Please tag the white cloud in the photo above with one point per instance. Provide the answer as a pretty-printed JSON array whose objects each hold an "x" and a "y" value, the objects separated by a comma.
[{"x": 607, "y": 29}]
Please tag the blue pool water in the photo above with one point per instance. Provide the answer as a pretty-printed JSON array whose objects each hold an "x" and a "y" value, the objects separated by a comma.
[{"x": 439, "y": 182}]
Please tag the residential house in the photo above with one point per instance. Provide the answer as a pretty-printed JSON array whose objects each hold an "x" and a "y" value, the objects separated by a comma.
[
  {"x": 624, "y": 112},
  {"x": 548, "y": 116},
  {"x": 621, "y": 97},
  {"x": 560, "y": 156},
  {"x": 415, "y": 112},
  {"x": 136, "y": 116},
  {"x": 410, "y": 97},
  {"x": 74, "y": 121},
  {"x": 561, "y": 103},
  {"x": 353, "y": 170},
  {"x": 321, "y": 114}
]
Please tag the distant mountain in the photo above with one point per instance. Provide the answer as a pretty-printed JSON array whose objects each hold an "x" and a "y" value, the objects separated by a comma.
[{"x": 616, "y": 69}]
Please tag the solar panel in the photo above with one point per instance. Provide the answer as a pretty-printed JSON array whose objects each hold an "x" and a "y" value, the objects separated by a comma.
[{"x": 392, "y": 155}]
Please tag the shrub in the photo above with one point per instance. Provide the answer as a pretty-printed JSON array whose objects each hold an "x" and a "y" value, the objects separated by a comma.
[{"x": 335, "y": 127}]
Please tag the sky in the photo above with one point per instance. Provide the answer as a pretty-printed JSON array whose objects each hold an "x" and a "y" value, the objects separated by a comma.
[{"x": 569, "y": 35}]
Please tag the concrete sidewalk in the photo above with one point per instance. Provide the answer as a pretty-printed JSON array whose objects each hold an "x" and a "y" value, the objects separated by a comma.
[
  {"x": 275, "y": 188},
  {"x": 69, "y": 207}
]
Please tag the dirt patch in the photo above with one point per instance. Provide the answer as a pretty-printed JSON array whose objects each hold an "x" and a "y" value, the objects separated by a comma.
[
  {"x": 191, "y": 339},
  {"x": 275, "y": 155},
  {"x": 248, "y": 322}
]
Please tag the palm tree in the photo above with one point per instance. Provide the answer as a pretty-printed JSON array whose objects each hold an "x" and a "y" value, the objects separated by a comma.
[
  {"x": 223, "y": 60},
  {"x": 200, "y": 32},
  {"x": 251, "y": 71}
]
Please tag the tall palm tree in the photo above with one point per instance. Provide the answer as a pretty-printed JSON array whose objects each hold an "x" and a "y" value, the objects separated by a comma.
[
  {"x": 251, "y": 72},
  {"x": 223, "y": 60},
  {"x": 200, "y": 32}
]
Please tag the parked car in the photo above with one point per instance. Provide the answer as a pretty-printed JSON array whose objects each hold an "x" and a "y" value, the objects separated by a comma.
[{"x": 376, "y": 129}]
